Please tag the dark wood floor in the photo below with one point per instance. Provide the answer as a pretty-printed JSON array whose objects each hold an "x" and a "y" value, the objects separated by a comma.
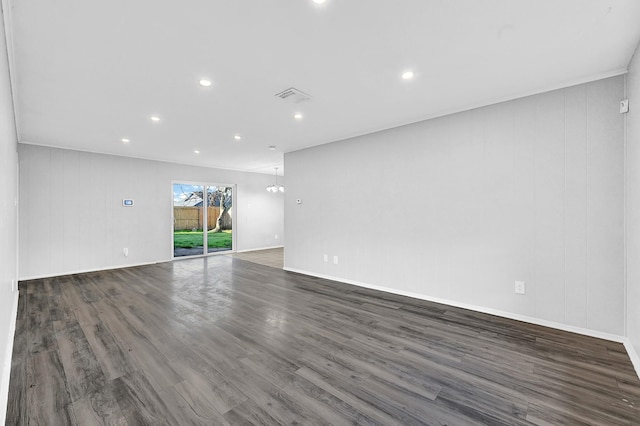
[{"x": 221, "y": 341}]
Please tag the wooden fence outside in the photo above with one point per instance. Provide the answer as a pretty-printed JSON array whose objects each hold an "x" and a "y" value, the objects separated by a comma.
[{"x": 191, "y": 218}]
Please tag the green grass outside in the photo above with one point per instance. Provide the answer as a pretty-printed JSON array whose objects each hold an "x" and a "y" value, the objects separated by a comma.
[{"x": 191, "y": 239}]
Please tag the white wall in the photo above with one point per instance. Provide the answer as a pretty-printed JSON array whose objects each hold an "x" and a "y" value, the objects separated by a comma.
[
  {"x": 8, "y": 223},
  {"x": 633, "y": 204},
  {"x": 459, "y": 207},
  {"x": 72, "y": 219}
]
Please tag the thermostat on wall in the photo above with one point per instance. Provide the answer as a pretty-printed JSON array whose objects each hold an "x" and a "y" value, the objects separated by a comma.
[{"x": 127, "y": 202}]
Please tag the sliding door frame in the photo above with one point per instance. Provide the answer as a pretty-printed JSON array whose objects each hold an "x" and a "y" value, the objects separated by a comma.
[{"x": 205, "y": 185}]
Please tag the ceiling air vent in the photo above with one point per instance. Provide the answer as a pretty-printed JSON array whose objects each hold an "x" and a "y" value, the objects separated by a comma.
[{"x": 293, "y": 95}]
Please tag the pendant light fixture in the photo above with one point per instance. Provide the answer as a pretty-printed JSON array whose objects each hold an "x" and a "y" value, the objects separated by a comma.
[{"x": 275, "y": 187}]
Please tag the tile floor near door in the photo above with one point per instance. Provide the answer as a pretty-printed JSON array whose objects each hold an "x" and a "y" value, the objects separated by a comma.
[
  {"x": 269, "y": 257},
  {"x": 220, "y": 340}
]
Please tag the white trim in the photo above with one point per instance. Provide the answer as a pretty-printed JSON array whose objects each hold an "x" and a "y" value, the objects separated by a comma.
[
  {"x": 133, "y": 265},
  {"x": 633, "y": 355},
  {"x": 17, "y": 213},
  {"x": 200, "y": 256},
  {"x": 138, "y": 157},
  {"x": 8, "y": 35},
  {"x": 624, "y": 216},
  {"x": 496, "y": 312},
  {"x": 481, "y": 104},
  {"x": 6, "y": 366},
  {"x": 443, "y": 113},
  {"x": 84, "y": 271},
  {"x": 205, "y": 218},
  {"x": 258, "y": 249}
]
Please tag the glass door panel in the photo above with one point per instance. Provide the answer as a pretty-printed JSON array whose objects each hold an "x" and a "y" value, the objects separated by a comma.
[
  {"x": 219, "y": 214},
  {"x": 202, "y": 219},
  {"x": 188, "y": 220}
]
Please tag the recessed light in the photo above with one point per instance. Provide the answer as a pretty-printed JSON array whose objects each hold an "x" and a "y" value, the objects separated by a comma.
[
  {"x": 237, "y": 137},
  {"x": 298, "y": 116},
  {"x": 205, "y": 83},
  {"x": 125, "y": 140},
  {"x": 154, "y": 118},
  {"x": 196, "y": 151},
  {"x": 407, "y": 75},
  {"x": 272, "y": 148},
  {"x": 319, "y": 1}
]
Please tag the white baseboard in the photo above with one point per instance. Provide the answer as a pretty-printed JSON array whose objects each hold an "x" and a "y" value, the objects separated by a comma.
[
  {"x": 635, "y": 359},
  {"x": 6, "y": 363},
  {"x": 258, "y": 249},
  {"x": 84, "y": 271},
  {"x": 491, "y": 311},
  {"x": 107, "y": 268}
]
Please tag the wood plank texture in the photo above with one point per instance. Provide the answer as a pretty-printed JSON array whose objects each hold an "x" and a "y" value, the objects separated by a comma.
[{"x": 222, "y": 340}]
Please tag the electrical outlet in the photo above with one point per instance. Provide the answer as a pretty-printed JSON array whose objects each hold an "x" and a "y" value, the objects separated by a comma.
[
  {"x": 125, "y": 251},
  {"x": 520, "y": 289},
  {"x": 13, "y": 285},
  {"x": 335, "y": 260},
  {"x": 276, "y": 236},
  {"x": 326, "y": 257}
]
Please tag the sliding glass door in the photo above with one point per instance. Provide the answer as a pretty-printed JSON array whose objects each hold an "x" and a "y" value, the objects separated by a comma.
[{"x": 202, "y": 219}]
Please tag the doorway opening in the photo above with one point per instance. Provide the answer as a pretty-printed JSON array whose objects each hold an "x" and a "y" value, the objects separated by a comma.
[{"x": 202, "y": 219}]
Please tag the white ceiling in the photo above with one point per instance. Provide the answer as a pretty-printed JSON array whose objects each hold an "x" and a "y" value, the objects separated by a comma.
[{"x": 88, "y": 73}]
